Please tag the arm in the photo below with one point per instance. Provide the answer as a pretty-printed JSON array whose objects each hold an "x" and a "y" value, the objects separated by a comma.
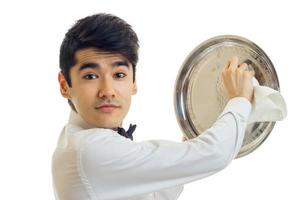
[{"x": 113, "y": 163}]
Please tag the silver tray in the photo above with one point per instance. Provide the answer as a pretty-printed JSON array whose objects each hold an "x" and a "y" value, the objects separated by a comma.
[{"x": 199, "y": 96}]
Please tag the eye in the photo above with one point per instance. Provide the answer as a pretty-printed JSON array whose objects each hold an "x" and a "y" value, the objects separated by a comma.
[
  {"x": 120, "y": 75},
  {"x": 90, "y": 76}
]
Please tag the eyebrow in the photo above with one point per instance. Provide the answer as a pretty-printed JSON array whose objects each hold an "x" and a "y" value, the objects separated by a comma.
[{"x": 92, "y": 65}]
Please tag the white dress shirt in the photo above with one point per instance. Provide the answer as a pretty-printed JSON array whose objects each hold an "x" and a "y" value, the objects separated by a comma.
[{"x": 99, "y": 164}]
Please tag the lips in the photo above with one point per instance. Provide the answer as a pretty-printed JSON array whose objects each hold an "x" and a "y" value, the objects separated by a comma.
[{"x": 107, "y": 107}]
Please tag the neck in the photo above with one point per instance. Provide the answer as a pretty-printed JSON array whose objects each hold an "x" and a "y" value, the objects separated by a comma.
[{"x": 76, "y": 119}]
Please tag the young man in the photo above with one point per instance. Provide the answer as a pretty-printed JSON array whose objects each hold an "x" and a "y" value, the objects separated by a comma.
[{"x": 98, "y": 60}]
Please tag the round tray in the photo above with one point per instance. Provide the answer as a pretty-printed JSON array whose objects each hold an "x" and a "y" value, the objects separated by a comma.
[{"x": 199, "y": 92}]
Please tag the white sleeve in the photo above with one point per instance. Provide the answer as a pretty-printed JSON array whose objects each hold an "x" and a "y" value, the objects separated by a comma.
[{"x": 116, "y": 167}]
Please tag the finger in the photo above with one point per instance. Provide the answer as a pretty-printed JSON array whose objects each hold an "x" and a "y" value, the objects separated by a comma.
[
  {"x": 243, "y": 67},
  {"x": 226, "y": 66},
  {"x": 234, "y": 63},
  {"x": 248, "y": 69},
  {"x": 251, "y": 69},
  {"x": 241, "y": 71}
]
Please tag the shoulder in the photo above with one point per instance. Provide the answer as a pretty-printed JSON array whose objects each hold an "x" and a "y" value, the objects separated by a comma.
[
  {"x": 100, "y": 145},
  {"x": 79, "y": 138}
]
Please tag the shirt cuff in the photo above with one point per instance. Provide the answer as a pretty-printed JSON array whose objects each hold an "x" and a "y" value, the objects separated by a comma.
[{"x": 240, "y": 105}]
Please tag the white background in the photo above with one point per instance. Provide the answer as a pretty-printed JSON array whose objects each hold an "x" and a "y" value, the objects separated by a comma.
[{"x": 33, "y": 112}]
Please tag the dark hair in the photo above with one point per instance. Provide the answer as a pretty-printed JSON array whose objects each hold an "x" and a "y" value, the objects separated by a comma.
[{"x": 102, "y": 31}]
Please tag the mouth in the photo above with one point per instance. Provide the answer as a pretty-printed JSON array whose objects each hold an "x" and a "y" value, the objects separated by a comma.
[{"x": 107, "y": 108}]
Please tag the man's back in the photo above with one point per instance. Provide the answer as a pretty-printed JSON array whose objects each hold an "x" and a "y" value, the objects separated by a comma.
[
  {"x": 98, "y": 163},
  {"x": 69, "y": 178}
]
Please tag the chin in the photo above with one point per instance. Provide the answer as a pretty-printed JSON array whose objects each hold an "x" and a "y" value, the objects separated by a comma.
[{"x": 106, "y": 124}]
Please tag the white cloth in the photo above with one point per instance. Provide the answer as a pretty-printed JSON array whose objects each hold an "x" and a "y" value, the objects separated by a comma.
[
  {"x": 99, "y": 164},
  {"x": 268, "y": 104}
]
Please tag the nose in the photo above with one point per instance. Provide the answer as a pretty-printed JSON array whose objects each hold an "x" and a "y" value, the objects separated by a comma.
[{"x": 106, "y": 88}]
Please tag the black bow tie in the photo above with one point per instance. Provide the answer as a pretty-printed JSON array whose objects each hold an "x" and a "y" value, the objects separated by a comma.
[{"x": 128, "y": 133}]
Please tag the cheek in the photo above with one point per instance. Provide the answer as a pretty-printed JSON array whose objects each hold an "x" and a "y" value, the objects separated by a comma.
[
  {"x": 84, "y": 96},
  {"x": 125, "y": 92},
  {"x": 126, "y": 101}
]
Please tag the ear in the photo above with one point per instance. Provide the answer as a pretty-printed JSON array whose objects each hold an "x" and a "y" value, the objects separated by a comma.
[
  {"x": 64, "y": 87},
  {"x": 134, "y": 88}
]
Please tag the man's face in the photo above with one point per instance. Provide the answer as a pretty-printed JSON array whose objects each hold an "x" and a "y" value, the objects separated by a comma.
[{"x": 100, "y": 78}]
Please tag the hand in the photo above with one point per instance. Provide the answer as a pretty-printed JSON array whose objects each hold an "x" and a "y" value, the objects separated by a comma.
[{"x": 237, "y": 79}]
